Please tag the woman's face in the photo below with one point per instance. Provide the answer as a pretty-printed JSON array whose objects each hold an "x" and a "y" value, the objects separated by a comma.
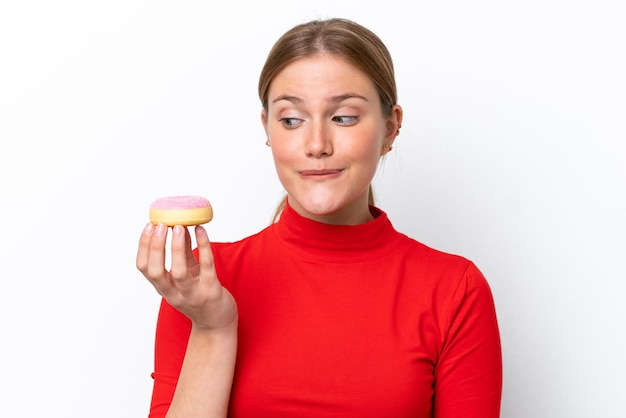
[{"x": 327, "y": 133}]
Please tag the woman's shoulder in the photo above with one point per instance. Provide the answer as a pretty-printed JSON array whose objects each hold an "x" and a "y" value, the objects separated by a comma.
[
  {"x": 422, "y": 250},
  {"x": 435, "y": 262}
]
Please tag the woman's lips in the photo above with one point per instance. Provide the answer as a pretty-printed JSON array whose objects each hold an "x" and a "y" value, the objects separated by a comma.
[{"x": 320, "y": 173}]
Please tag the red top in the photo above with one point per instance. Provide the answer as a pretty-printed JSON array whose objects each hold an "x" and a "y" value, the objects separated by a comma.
[{"x": 348, "y": 321}]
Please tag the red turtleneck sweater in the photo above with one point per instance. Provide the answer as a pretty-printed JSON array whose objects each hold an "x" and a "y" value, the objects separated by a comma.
[{"x": 348, "y": 321}]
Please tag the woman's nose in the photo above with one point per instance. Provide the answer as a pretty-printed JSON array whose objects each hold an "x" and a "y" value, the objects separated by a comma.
[{"x": 318, "y": 141}]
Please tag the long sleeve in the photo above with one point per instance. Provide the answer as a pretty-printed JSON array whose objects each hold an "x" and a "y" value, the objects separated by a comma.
[
  {"x": 468, "y": 373},
  {"x": 172, "y": 335}
]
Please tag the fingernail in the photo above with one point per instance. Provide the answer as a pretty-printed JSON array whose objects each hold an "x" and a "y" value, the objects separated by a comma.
[
  {"x": 200, "y": 231},
  {"x": 177, "y": 231},
  {"x": 148, "y": 229},
  {"x": 160, "y": 229}
]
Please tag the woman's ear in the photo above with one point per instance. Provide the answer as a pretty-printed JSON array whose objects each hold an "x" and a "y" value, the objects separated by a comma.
[
  {"x": 264, "y": 122},
  {"x": 394, "y": 123},
  {"x": 264, "y": 119}
]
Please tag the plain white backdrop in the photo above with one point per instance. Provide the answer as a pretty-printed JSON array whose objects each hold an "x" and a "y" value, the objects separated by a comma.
[{"x": 511, "y": 154}]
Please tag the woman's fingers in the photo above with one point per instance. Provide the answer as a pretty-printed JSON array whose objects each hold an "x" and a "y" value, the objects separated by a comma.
[
  {"x": 151, "y": 257},
  {"x": 180, "y": 269},
  {"x": 151, "y": 252},
  {"x": 190, "y": 285},
  {"x": 185, "y": 271},
  {"x": 204, "y": 253},
  {"x": 156, "y": 260},
  {"x": 143, "y": 252},
  {"x": 192, "y": 262}
]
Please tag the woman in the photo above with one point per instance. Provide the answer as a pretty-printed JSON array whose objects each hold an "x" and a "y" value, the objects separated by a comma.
[{"x": 329, "y": 311}]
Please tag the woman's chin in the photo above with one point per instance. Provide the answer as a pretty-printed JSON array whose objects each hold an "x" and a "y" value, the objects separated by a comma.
[{"x": 331, "y": 210}]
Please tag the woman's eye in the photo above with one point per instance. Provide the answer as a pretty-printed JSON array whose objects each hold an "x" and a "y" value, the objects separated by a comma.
[
  {"x": 290, "y": 122},
  {"x": 345, "y": 120}
]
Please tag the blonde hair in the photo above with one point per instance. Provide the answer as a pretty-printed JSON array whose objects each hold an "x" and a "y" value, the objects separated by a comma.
[{"x": 341, "y": 37}]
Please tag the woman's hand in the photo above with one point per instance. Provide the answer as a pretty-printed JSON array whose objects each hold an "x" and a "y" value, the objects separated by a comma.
[{"x": 191, "y": 286}]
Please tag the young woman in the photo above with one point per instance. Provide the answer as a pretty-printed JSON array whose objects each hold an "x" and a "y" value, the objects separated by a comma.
[{"x": 329, "y": 311}]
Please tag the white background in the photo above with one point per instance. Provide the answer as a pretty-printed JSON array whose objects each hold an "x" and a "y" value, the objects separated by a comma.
[{"x": 511, "y": 154}]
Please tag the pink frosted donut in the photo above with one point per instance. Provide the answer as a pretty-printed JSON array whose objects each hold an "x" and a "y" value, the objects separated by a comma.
[{"x": 181, "y": 210}]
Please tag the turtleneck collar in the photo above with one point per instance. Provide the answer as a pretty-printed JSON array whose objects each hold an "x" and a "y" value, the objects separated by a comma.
[{"x": 340, "y": 243}]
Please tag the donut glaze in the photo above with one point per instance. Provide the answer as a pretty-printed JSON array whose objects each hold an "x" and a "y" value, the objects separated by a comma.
[{"x": 181, "y": 210}]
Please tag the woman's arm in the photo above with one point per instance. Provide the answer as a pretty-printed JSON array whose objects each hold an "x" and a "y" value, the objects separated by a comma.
[
  {"x": 203, "y": 388},
  {"x": 468, "y": 374},
  {"x": 192, "y": 288}
]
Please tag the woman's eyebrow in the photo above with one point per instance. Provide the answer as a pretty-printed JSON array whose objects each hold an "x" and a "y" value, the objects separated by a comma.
[
  {"x": 346, "y": 96},
  {"x": 292, "y": 99},
  {"x": 334, "y": 99}
]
